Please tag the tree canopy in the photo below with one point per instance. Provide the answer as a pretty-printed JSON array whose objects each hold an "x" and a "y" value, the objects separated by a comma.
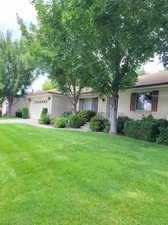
[
  {"x": 49, "y": 84},
  {"x": 100, "y": 43},
  {"x": 129, "y": 32},
  {"x": 16, "y": 68}
]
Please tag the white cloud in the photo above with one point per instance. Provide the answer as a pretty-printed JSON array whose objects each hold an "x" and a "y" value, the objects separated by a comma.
[{"x": 8, "y": 11}]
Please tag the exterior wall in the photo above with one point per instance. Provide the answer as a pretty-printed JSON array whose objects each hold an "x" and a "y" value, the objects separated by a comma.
[
  {"x": 60, "y": 104},
  {"x": 101, "y": 110},
  {"x": 162, "y": 110},
  {"x": 102, "y": 107},
  {"x": 39, "y": 102},
  {"x": 18, "y": 104}
]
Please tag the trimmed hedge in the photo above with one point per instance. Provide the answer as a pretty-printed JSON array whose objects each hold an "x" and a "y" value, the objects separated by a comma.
[
  {"x": 86, "y": 115},
  {"x": 138, "y": 129},
  {"x": 146, "y": 129},
  {"x": 25, "y": 113},
  {"x": 99, "y": 124},
  {"x": 121, "y": 122},
  {"x": 61, "y": 122},
  {"x": 163, "y": 136}
]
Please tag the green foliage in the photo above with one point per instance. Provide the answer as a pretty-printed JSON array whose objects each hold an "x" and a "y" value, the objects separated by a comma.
[
  {"x": 146, "y": 129},
  {"x": 86, "y": 115},
  {"x": 61, "y": 122},
  {"x": 99, "y": 124},
  {"x": 63, "y": 45},
  {"x": 44, "y": 117},
  {"x": 66, "y": 114},
  {"x": 44, "y": 111},
  {"x": 25, "y": 113},
  {"x": 163, "y": 136},
  {"x": 121, "y": 122},
  {"x": 48, "y": 85},
  {"x": 138, "y": 129},
  {"x": 19, "y": 114},
  {"x": 75, "y": 121},
  {"x": 16, "y": 68}
]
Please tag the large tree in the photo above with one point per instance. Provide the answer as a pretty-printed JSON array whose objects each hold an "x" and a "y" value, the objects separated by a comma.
[
  {"x": 16, "y": 68},
  {"x": 64, "y": 52},
  {"x": 128, "y": 33},
  {"x": 49, "y": 84}
]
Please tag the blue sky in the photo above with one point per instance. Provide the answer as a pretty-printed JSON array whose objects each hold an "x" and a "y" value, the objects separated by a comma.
[{"x": 8, "y": 11}]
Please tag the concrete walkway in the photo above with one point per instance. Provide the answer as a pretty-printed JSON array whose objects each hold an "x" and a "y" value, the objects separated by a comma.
[{"x": 34, "y": 123}]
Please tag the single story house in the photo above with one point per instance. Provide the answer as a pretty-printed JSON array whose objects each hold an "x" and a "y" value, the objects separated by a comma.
[
  {"x": 149, "y": 96},
  {"x": 53, "y": 100}
]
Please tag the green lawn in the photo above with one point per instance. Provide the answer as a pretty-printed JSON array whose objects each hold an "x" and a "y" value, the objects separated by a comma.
[{"x": 51, "y": 177}]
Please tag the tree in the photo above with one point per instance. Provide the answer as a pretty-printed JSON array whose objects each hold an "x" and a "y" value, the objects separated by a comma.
[
  {"x": 64, "y": 51},
  {"x": 16, "y": 68},
  {"x": 128, "y": 33},
  {"x": 140, "y": 71},
  {"x": 48, "y": 85}
]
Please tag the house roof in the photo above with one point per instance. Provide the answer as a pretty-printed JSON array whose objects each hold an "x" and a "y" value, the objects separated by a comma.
[
  {"x": 160, "y": 78},
  {"x": 53, "y": 91},
  {"x": 147, "y": 80}
]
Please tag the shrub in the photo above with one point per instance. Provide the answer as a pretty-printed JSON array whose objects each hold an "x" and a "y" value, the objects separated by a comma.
[
  {"x": 44, "y": 117},
  {"x": 61, "y": 122},
  {"x": 75, "y": 121},
  {"x": 44, "y": 111},
  {"x": 138, "y": 129},
  {"x": 19, "y": 114},
  {"x": 146, "y": 129},
  {"x": 121, "y": 122},
  {"x": 99, "y": 124},
  {"x": 66, "y": 114},
  {"x": 156, "y": 128},
  {"x": 86, "y": 115},
  {"x": 163, "y": 136},
  {"x": 25, "y": 113}
]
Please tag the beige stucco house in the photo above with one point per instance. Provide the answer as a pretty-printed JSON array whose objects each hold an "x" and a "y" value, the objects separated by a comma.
[
  {"x": 148, "y": 97},
  {"x": 52, "y": 100}
]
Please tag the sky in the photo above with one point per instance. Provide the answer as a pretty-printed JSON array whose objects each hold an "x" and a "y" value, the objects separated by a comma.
[{"x": 8, "y": 21}]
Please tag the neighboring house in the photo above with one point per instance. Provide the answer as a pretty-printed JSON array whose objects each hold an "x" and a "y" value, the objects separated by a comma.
[
  {"x": 53, "y": 100},
  {"x": 148, "y": 97},
  {"x": 18, "y": 103}
]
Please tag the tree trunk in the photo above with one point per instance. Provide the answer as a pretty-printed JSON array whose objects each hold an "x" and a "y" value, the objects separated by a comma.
[
  {"x": 10, "y": 101},
  {"x": 74, "y": 107},
  {"x": 113, "y": 113}
]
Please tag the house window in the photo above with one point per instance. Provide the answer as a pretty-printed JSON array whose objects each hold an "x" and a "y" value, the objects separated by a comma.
[
  {"x": 144, "y": 101},
  {"x": 87, "y": 104}
]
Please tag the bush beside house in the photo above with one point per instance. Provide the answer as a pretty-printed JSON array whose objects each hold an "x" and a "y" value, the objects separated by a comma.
[
  {"x": 44, "y": 117},
  {"x": 148, "y": 129},
  {"x": 99, "y": 124},
  {"x": 62, "y": 122}
]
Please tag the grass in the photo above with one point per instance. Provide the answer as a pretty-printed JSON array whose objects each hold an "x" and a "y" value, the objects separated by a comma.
[
  {"x": 51, "y": 177},
  {"x": 9, "y": 117}
]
